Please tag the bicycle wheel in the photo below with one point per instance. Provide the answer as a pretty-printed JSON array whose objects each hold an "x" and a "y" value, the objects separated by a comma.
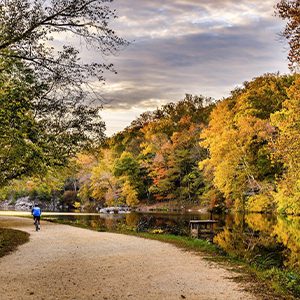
[{"x": 36, "y": 225}]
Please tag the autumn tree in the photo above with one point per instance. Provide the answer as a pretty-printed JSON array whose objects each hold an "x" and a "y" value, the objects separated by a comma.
[
  {"x": 286, "y": 149},
  {"x": 171, "y": 150},
  {"x": 289, "y": 10},
  {"x": 129, "y": 193},
  {"x": 239, "y": 139},
  {"x": 185, "y": 155}
]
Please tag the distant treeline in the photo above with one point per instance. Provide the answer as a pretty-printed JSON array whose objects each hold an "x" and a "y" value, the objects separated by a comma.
[{"x": 242, "y": 152}]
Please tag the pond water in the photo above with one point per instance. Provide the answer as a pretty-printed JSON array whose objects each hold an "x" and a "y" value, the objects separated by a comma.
[{"x": 262, "y": 239}]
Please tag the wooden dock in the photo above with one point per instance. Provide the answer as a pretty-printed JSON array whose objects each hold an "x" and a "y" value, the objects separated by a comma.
[{"x": 199, "y": 228}]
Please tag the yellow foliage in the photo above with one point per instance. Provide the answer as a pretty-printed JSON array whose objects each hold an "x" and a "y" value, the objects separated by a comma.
[
  {"x": 287, "y": 231},
  {"x": 260, "y": 222},
  {"x": 287, "y": 150},
  {"x": 157, "y": 231},
  {"x": 130, "y": 194},
  {"x": 77, "y": 205},
  {"x": 260, "y": 203},
  {"x": 239, "y": 138}
]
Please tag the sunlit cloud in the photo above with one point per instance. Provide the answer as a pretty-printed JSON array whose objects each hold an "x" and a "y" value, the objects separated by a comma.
[
  {"x": 158, "y": 19},
  {"x": 190, "y": 46}
]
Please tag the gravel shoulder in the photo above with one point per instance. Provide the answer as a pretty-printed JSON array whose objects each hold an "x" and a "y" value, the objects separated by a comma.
[{"x": 64, "y": 262}]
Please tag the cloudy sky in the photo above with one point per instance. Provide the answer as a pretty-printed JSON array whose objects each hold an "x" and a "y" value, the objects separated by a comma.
[{"x": 205, "y": 47}]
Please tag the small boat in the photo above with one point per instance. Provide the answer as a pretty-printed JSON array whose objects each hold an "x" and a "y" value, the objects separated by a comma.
[{"x": 115, "y": 210}]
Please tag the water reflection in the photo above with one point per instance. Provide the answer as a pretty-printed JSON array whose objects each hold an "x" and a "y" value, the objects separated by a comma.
[
  {"x": 264, "y": 240},
  {"x": 168, "y": 223},
  {"x": 251, "y": 237},
  {"x": 287, "y": 231}
]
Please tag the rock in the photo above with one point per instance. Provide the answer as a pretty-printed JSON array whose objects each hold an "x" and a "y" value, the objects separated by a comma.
[{"x": 23, "y": 203}]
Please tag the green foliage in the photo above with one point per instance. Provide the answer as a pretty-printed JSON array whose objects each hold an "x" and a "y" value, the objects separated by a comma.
[
  {"x": 45, "y": 112},
  {"x": 30, "y": 143},
  {"x": 127, "y": 166},
  {"x": 20, "y": 151},
  {"x": 283, "y": 281},
  {"x": 40, "y": 188}
]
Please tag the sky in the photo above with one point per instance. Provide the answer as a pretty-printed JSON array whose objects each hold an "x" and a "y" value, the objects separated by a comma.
[{"x": 199, "y": 47}]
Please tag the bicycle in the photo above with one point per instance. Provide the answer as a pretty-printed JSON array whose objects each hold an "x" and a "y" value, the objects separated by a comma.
[
  {"x": 36, "y": 213},
  {"x": 37, "y": 224}
]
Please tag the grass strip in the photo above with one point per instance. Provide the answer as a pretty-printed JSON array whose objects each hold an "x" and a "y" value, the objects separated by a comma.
[{"x": 10, "y": 239}]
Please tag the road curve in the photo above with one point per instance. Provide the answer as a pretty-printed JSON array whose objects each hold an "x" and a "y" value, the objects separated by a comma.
[{"x": 64, "y": 262}]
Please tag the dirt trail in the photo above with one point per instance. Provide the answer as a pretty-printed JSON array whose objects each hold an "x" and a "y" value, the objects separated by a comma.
[{"x": 64, "y": 262}]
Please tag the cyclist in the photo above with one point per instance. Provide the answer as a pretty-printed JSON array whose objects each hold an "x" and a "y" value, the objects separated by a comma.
[{"x": 36, "y": 212}]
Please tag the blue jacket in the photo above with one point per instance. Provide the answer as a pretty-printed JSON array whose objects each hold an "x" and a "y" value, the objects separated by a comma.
[{"x": 36, "y": 211}]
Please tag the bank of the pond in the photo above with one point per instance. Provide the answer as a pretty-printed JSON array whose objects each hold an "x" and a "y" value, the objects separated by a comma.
[
  {"x": 10, "y": 239},
  {"x": 268, "y": 283}
]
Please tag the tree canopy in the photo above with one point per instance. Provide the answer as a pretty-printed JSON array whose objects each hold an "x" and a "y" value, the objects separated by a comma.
[
  {"x": 32, "y": 31},
  {"x": 48, "y": 112}
]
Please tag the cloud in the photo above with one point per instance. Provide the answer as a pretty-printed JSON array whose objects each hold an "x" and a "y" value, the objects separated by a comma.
[
  {"x": 190, "y": 46},
  {"x": 156, "y": 18},
  {"x": 202, "y": 63}
]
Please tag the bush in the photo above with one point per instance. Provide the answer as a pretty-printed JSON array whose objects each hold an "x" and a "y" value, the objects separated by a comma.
[{"x": 284, "y": 280}]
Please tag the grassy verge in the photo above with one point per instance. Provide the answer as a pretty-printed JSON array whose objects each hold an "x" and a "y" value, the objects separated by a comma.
[
  {"x": 10, "y": 239},
  {"x": 187, "y": 243},
  {"x": 266, "y": 283}
]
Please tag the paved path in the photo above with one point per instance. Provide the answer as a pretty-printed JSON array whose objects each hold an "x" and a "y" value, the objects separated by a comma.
[{"x": 64, "y": 262}]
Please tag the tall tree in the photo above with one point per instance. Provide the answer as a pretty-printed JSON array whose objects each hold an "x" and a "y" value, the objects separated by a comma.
[
  {"x": 171, "y": 150},
  {"x": 287, "y": 150},
  {"x": 20, "y": 153},
  {"x": 290, "y": 10},
  {"x": 45, "y": 82},
  {"x": 32, "y": 30},
  {"x": 239, "y": 139}
]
